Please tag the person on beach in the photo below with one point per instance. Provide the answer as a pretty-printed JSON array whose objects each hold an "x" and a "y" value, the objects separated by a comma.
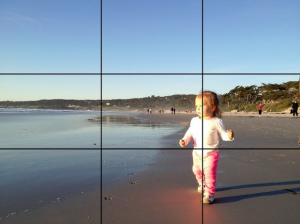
[
  {"x": 295, "y": 108},
  {"x": 213, "y": 127},
  {"x": 259, "y": 109},
  {"x": 172, "y": 110}
]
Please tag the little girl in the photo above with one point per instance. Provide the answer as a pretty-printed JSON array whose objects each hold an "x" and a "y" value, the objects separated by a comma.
[{"x": 213, "y": 127}]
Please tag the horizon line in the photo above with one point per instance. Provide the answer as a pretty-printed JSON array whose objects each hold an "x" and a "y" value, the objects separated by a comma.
[{"x": 43, "y": 99}]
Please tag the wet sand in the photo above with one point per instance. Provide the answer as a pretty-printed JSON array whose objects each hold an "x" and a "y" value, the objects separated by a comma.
[
  {"x": 256, "y": 183},
  {"x": 83, "y": 208}
]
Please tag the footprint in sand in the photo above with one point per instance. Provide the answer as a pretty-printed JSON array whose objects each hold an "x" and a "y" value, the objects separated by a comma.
[
  {"x": 291, "y": 162},
  {"x": 133, "y": 182},
  {"x": 109, "y": 197},
  {"x": 11, "y": 214}
]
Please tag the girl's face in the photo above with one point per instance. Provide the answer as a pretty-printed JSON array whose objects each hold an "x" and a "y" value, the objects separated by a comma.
[{"x": 208, "y": 111}]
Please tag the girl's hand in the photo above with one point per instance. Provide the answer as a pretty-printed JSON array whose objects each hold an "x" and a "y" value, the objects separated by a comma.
[
  {"x": 182, "y": 143},
  {"x": 230, "y": 134}
]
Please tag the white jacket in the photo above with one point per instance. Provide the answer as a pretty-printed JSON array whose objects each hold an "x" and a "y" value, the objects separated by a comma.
[{"x": 212, "y": 129}]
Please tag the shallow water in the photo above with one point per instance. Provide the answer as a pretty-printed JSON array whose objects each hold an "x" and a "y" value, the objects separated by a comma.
[
  {"x": 48, "y": 129},
  {"x": 130, "y": 145},
  {"x": 123, "y": 131},
  {"x": 31, "y": 176}
]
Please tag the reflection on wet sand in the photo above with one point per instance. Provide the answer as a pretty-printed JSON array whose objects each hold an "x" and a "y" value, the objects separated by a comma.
[{"x": 131, "y": 121}]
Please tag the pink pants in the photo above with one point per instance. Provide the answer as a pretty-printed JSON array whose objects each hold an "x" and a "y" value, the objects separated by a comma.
[{"x": 209, "y": 173}]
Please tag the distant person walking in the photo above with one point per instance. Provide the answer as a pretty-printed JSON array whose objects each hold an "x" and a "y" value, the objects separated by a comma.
[
  {"x": 172, "y": 110},
  {"x": 259, "y": 109},
  {"x": 295, "y": 108}
]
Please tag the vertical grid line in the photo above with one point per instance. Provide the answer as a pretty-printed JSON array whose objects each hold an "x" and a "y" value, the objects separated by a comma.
[
  {"x": 101, "y": 173},
  {"x": 202, "y": 74}
]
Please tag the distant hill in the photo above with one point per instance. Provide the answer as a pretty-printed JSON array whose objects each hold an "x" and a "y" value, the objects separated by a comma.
[
  {"x": 158, "y": 102},
  {"x": 274, "y": 97},
  {"x": 58, "y": 104}
]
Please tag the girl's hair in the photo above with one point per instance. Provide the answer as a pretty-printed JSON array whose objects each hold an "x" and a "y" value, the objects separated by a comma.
[{"x": 211, "y": 99}]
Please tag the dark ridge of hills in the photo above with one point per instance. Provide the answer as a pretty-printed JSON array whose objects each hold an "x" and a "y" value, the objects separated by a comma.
[{"x": 59, "y": 104}]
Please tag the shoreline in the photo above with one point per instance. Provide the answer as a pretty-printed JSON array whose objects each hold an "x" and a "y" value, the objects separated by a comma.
[
  {"x": 21, "y": 109},
  {"x": 183, "y": 118}
]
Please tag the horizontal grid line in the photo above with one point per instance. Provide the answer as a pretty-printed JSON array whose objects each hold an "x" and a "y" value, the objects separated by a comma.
[
  {"x": 223, "y": 149},
  {"x": 199, "y": 74}
]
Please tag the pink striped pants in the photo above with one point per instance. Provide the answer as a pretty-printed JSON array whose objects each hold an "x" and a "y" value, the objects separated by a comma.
[{"x": 209, "y": 173}]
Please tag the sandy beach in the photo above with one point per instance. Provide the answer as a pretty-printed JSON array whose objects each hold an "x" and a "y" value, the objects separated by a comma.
[
  {"x": 269, "y": 131},
  {"x": 258, "y": 177}
]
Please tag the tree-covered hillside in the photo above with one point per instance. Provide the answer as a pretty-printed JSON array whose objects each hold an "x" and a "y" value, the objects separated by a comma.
[{"x": 274, "y": 97}]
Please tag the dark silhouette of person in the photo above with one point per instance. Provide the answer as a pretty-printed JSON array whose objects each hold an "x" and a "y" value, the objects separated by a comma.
[
  {"x": 295, "y": 108},
  {"x": 174, "y": 110},
  {"x": 259, "y": 109}
]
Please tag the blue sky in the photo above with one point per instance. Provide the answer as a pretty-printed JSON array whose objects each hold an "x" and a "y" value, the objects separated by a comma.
[
  {"x": 154, "y": 36},
  {"x": 150, "y": 36},
  {"x": 258, "y": 36},
  {"x": 50, "y": 36},
  {"x": 37, "y": 87}
]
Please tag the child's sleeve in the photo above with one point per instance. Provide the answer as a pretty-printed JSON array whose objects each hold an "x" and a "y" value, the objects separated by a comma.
[
  {"x": 188, "y": 135},
  {"x": 222, "y": 131}
]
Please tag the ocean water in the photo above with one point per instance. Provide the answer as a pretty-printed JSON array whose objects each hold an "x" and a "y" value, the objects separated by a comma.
[
  {"x": 46, "y": 156},
  {"x": 130, "y": 144},
  {"x": 25, "y": 128}
]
